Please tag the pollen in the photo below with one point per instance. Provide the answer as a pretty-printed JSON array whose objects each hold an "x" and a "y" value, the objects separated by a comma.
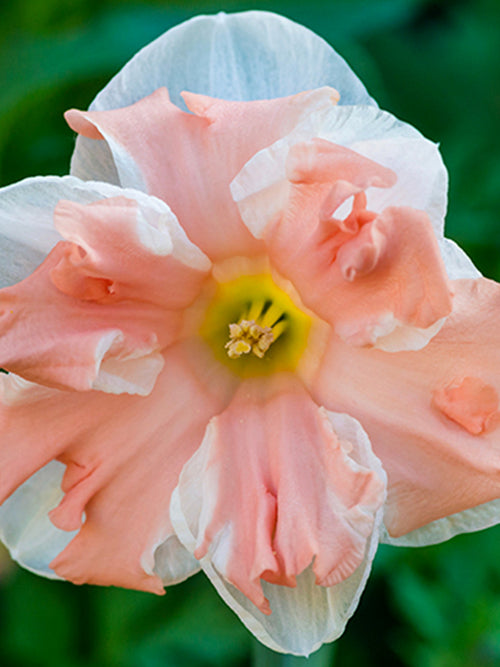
[
  {"x": 255, "y": 327},
  {"x": 248, "y": 336}
]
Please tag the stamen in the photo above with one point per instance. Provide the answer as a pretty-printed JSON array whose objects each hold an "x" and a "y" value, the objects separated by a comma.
[
  {"x": 248, "y": 336},
  {"x": 258, "y": 315},
  {"x": 261, "y": 324}
]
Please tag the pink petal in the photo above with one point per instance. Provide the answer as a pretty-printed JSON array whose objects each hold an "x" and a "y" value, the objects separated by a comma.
[
  {"x": 432, "y": 415},
  {"x": 469, "y": 402},
  {"x": 261, "y": 188},
  {"x": 123, "y": 455},
  {"x": 378, "y": 279},
  {"x": 272, "y": 490},
  {"x": 107, "y": 300},
  {"x": 134, "y": 256},
  {"x": 189, "y": 160}
]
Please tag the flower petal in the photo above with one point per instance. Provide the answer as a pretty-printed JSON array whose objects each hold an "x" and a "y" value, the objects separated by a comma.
[
  {"x": 471, "y": 520},
  {"x": 107, "y": 300},
  {"x": 378, "y": 279},
  {"x": 25, "y": 527},
  {"x": 26, "y": 222},
  {"x": 122, "y": 455},
  {"x": 458, "y": 264},
  {"x": 27, "y": 219},
  {"x": 440, "y": 460},
  {"x": 189, "y": 160},
  {"x": 173, "y": 562},
  {"x": 261, "y": 189},
  {"x": 315, "y": 497},
  {"x": 243, "y": 56}
]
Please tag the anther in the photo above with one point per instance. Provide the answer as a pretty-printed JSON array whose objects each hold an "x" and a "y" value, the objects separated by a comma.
[{"x": 248, "y": 336}]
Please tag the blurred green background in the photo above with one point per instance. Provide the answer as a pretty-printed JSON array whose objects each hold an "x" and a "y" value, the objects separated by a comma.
[{"x": 435, "y": 65}]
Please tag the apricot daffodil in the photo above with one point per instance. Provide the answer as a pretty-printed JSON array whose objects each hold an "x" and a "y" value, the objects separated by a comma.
[{"x": 237, "y": 339}]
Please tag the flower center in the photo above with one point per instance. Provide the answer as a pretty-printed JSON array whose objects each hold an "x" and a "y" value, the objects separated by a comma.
[
  {"x": 254, "y": 327},
  {"x": 256, "y": 330}
]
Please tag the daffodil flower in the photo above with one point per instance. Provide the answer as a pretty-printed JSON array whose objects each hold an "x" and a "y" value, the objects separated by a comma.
[{"x": 237, "y": 339}]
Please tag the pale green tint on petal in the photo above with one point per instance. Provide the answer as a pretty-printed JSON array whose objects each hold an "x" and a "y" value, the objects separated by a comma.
[
  {"x": 261, "y": 188},
  {"x": 305, "y": 617},
  {"x": 243, "y": 56},
  {"x": 25, "y": 528},
  {"x": 468, "y": 521}
]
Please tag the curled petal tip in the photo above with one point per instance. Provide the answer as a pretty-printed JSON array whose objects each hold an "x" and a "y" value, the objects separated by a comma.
[{"x": 78, "y": 122}]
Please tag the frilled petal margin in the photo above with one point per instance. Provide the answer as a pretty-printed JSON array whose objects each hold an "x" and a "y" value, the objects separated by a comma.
[
  {"x": 377, "y": 278},
  {"x": 432, "y": 416},
  {"x": 102, "y": 306},
  {"x": 242, "y": 57},
  {"x": 171, "y": 154},
  {"x": 282, "y": 504},
  {"x": 123, "y": 456},
  {"x": 262, "y": 188},
  {"x": 27, "y": 231},
  {"x": 34, "y": 542}
]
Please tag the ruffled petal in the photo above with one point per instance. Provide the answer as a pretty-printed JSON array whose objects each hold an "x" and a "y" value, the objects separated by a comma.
[
  {"x": 242, "y": 56},
  {"x": 123, "y": 251},
  {"x": 26, "y": 221},
  {"x": 27, "y": 226},
  {"x": 262, "y": 188},
  {"x": 378, "y": 279},
  {"x": 433, "y": 415},
  {"x": 122, "y": 456},
  {"x": 189, "y": 159},
  {"x": 309, "y": 526},
  {"x": 99, "y": 310}
]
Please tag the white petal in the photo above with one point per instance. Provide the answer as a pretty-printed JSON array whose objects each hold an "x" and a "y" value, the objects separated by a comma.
[
  {"x": 118, "y": 165},
  {"x": 92, "y": 161},
  {"x": 27, "y": 232},
  {"x": 261, "y": 188},
  {"x": 17, "y": 261},
  {"x": 308, "y": 615},
  {"x": 25, "y": 527},
  {"x": 157, "y": 227},
  {"x": 173, "y": 562},
  {"x": 458, "y": 263},
  {"x": 422, "y": 177},
  {"x": 468, "y": 521},
  {"x": 244, "y": 56}
]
